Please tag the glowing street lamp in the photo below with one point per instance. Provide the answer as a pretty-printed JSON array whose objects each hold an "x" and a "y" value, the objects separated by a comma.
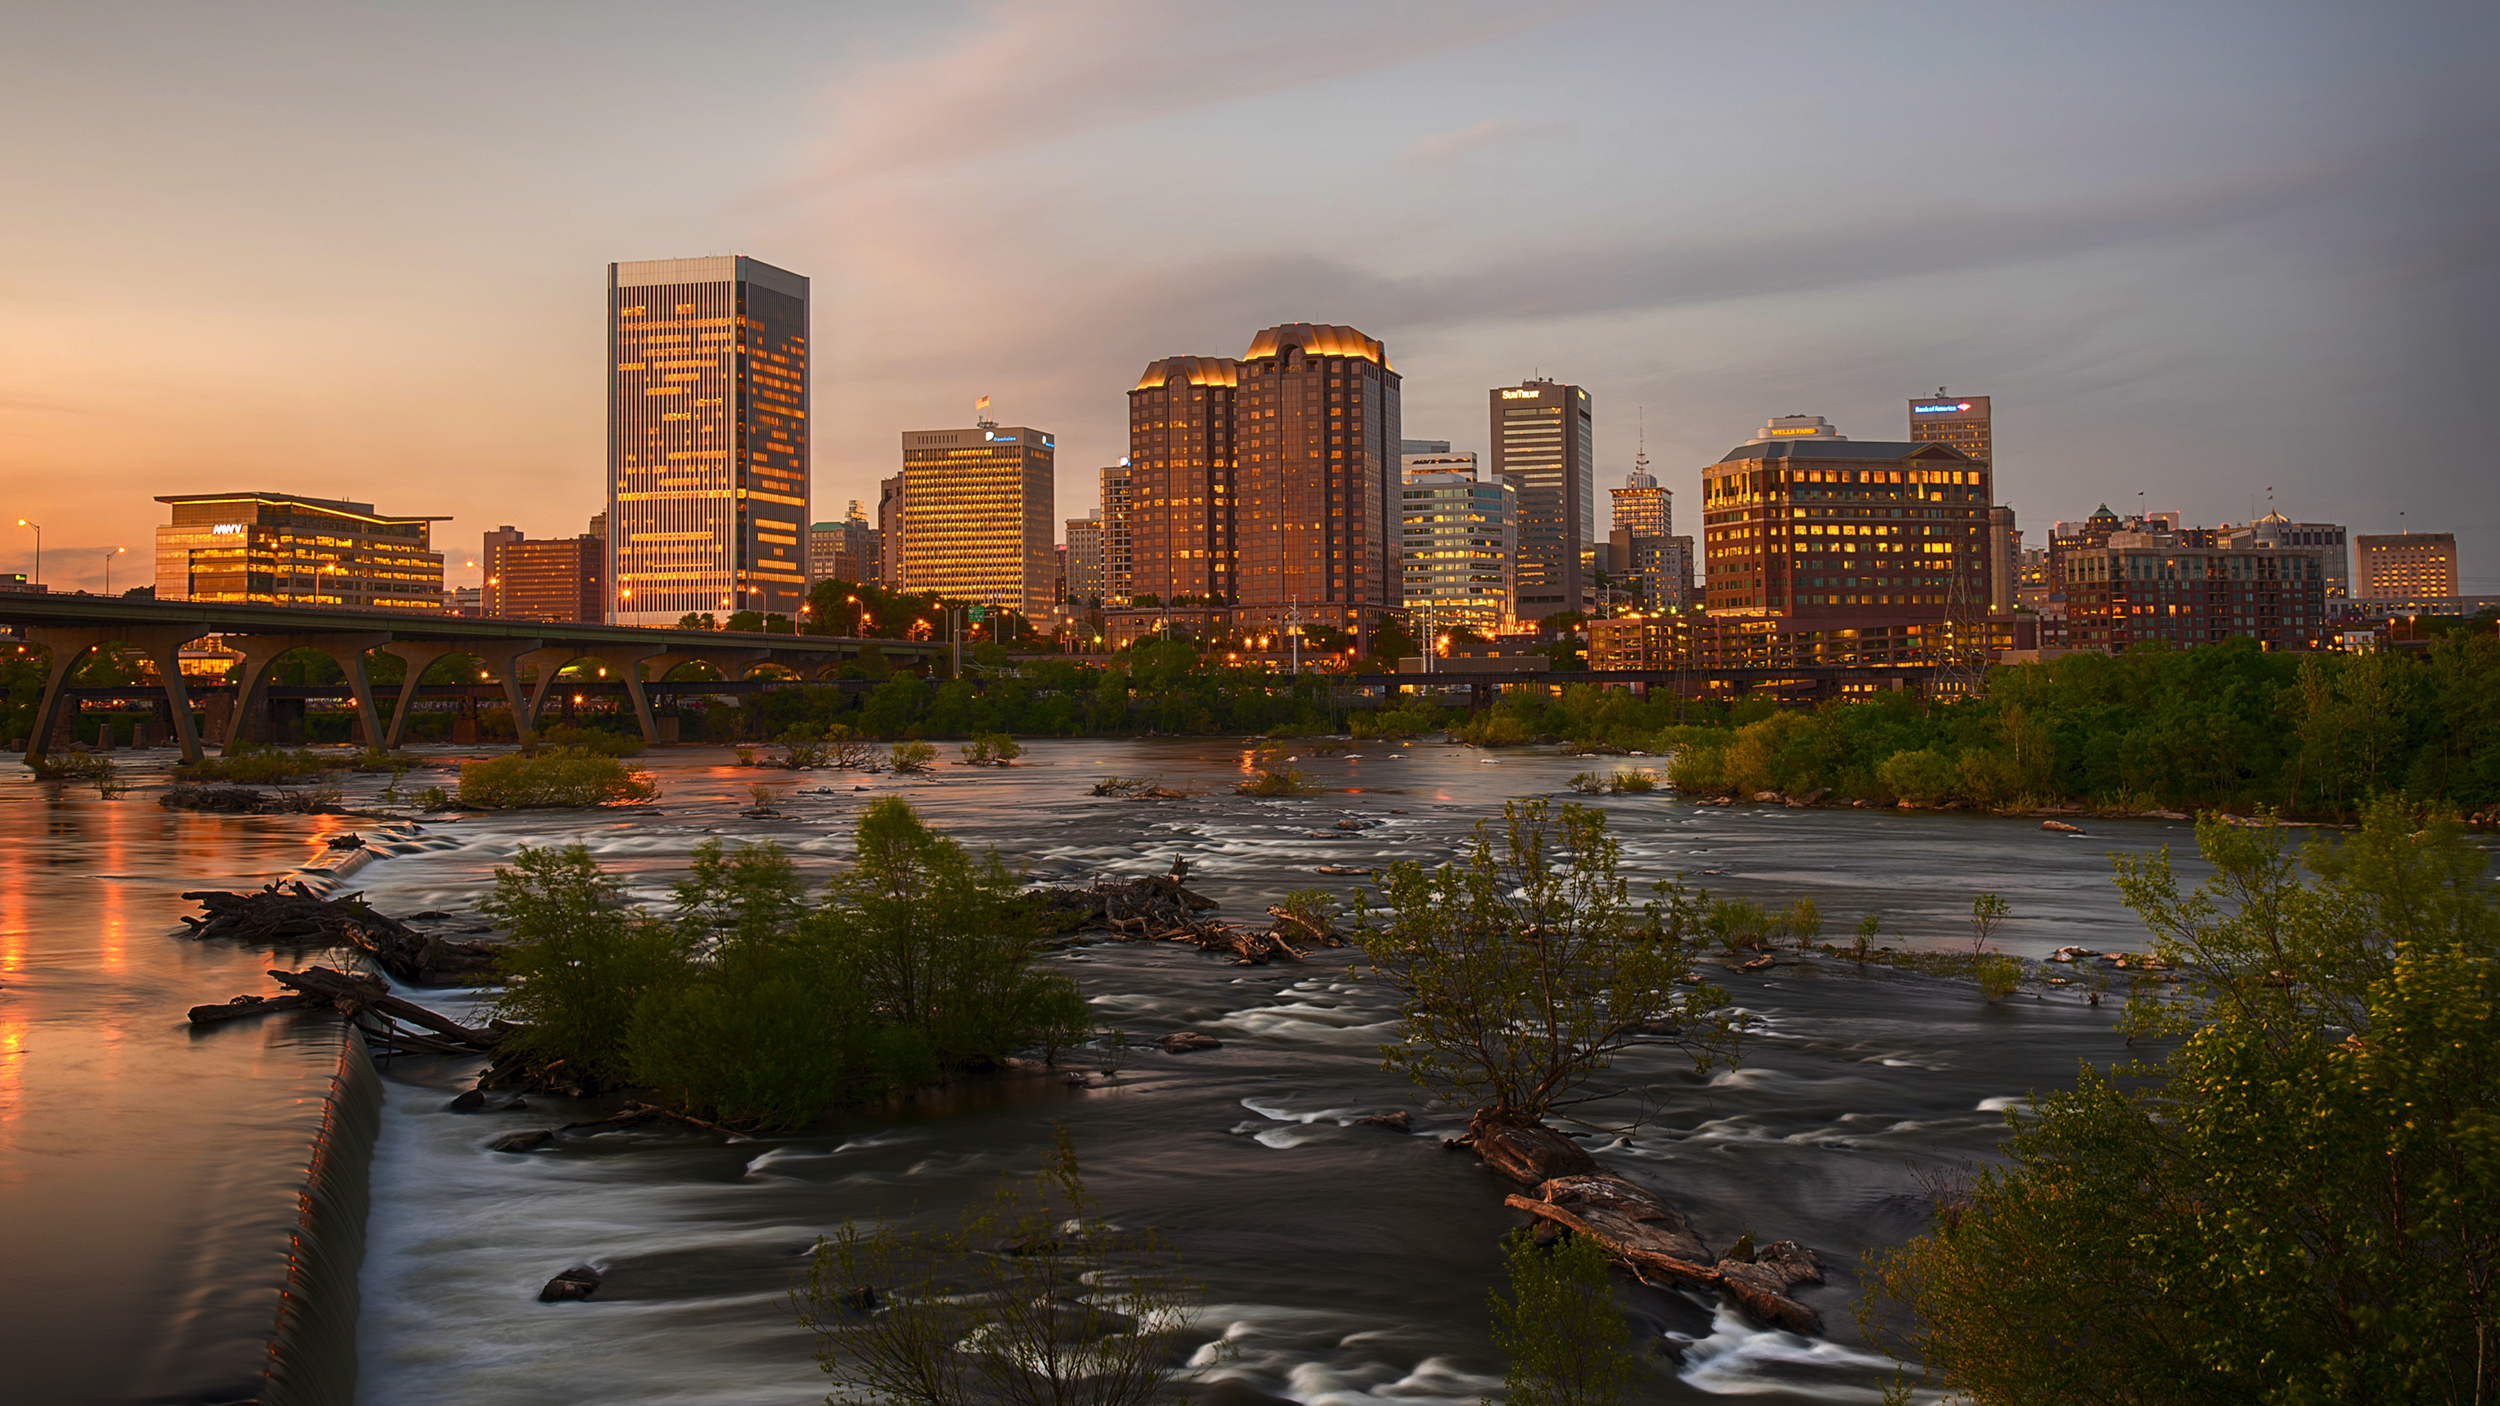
[
  {"x": 108, "y": 568},
  {"x": 37, "y": 579}
]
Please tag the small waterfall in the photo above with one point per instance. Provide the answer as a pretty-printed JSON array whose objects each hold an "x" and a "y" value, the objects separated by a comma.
[{"x": 312, "y": 1349}]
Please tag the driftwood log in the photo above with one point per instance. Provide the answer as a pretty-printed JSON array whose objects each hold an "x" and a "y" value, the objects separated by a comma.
[
  {"x": 390, "y": 1024},
  {"x": 1655, "y": 1242},
  {"x": 1158, "y": 908},
  {"x": 294, "y": 914}
]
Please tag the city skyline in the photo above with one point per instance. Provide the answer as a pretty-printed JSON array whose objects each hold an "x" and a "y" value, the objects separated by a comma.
[{"x": 2275, "y": 288}]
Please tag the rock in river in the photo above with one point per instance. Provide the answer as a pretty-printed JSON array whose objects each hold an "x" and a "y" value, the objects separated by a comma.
[{"x": 1184, "y": 1041}]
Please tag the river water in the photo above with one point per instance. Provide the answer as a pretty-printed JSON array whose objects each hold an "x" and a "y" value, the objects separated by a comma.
[{"x": 151, "y": 1173}]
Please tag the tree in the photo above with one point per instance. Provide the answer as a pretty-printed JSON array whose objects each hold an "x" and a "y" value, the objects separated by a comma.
[
  {"x": 1559, "y": 1323},
  {"x": 1034, "y": 1301},
  {"x": 1523, "y": 971},
  {"x": 2300, "y": 1204}
]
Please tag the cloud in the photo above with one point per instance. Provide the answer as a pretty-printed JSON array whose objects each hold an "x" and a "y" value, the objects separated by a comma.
[
  {"x": 1443, "y": 147},
  {"x": 1042, "y": 70}
]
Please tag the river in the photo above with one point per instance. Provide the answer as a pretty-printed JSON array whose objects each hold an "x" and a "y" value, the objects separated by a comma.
[{"x": 152, "y": 1173}]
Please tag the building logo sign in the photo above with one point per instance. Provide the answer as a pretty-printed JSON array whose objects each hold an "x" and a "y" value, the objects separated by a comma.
[
  {"x": 1938, "y": 409},
  {"x": 228, "y": 529},
  {"x": 1520, "y": 395}
]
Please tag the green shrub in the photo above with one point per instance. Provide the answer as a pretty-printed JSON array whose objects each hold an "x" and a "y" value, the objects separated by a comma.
[
  {"x": 1634, "y": 781},
  {"x": 1587, "y": 783},
  {"x": 252, "y": 764},
  {"x": 1698, "y": 769},
  {"x": 433, "y": 798},
  {"x": 579, "y": 960},
  {"x": 1561, "y": 1325},
  {"x": 1412, "y": 717},
  {"x": 1802, "y": 921},
  {"x": 556, "y": 777},
  {"x": 1277, "y": 781},
  {"x": 911, "y": 756},
  {"x": 1998, "y": 977},
  {"x": 600, "y": 741},
  {"x": 1493, "y": 728},
  {"x": 991, "y": 749},
  {"x": 1921, "y": 777}
]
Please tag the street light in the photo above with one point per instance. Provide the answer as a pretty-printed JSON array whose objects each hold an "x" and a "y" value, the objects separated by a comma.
[
  {"x": 38, "y": 576},
  {"x": 108, "y": 568}
]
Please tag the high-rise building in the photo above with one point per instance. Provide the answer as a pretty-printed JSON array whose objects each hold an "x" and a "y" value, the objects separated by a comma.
[
  {"x": 1959, "y": 420},
  {"x": 1422, "y": 446},
  {"x": 1643, "y": 554},
  {"x": 1460, "y": 535},
  {"x": 2005, "y": 555},
  {"x": 1544, "y": 446},
  {"x": 2327, "y": 539},
  {"x": 1317, "y": 444},
  {"x": 707, "y": 438},
  {"x": 843, "y": 551},
  {"x": 1085, "y": 590},
  {"x": 557, "y": 578},
  {"x": 1181, "y": 514},
  {"x": 1807, "y": 530},
  {"x": 1642, "y": 507},
  {"x": 490, "y": 594},
  {"x": 977, "y": 509},
  {"x": 1438, "y": 461},
  {"x": 281, "y": 549},
  {"x": 2402, "y": 566},
  {"x": 890, "y": 531},
  {"x": 1117, "y": 505}
]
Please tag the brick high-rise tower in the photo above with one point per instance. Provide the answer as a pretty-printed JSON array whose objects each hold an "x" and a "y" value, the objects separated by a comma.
[{"x": 1317, "y": 445}]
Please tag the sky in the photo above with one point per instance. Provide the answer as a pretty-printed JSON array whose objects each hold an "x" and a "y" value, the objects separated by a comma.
[{"x": 2196, "y": 253}]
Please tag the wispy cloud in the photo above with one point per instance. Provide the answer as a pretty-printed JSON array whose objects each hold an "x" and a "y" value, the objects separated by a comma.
[
  {"x": 1036, "y": 71},
  {"x": 1443, "y": 147}
]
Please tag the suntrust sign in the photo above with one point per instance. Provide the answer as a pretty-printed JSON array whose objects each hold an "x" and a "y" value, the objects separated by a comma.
[{"x": 1521, "y": 395}]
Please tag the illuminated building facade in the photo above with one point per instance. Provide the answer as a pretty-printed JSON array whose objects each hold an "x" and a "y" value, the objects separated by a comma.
[
  {"x": 977, "y": 516},
  {"x": 545, "y": 579},
  {"x": 1544, "y": 446},
  {"x": 1459, "y": 536},
  {"x": 890, "y": 531},
  {"x": 1117, "y": 504},
  {"x": 1180, "y": 436},
  {"x": 279, "y": 549},
  {"x": 2408, "y": 566},
  {"x": 1959, "y": 420},
  {"x": 707, "y": 438},
  {"x": 2193, "y": 587},
  {"x": 1317, "y": 445},
  {"x": 2329, "y": 540},
  {"x": 1085, "y": 591}
]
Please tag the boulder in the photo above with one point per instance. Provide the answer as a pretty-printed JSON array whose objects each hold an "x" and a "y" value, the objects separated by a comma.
[
  {"x": 469, "y": 1102},
  {"x": 573, "y": 1285},
  {"x": 1767, "y": 797},
  {"x": 1395, "y": 1122},
  {"x": 2060, "y": 827},
  {"x": 1763, "y": 1290},
  {"x": 530, "y": 1141},
  {"x": 1184, "y": 1041},
  {"x": 1813, "y": 797},
  {"x": 1531, "y": 1155}
]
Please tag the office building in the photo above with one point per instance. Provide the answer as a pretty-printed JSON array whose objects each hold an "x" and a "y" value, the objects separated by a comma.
[
  {"x": 977, "y": 510},
  {"x": 1438, "y": 461},
  {"x": 1812, "y": 535},
  {"x": 1181, "y": 514},
  {"x": 1085, "y": 590},
  {"x": 890, "y": 531},
  {"x": 1543, "y": 446},
  {"x": 556, "y": 578},
  {"x": 1644, "y": 557},
  {"x": 2407, "y": 565},
  {"x": 1459, "y": 536},
  {"x": 707, "y": 438},
  {"x": 1117, "y": 577},
  {"x": 1316, "y": 522},
  {"x": 281, "y": 549},
  {"x": 1959, "y": 420},
  {"x": 2005, "y": 554},
  {"x": 1422, "y": 446},
  {"x": 1641, "y": 507},
  {"x": 468, "y": 601},
  {"x": 2186, "y": 587},
  {"x": 2329, "y": 540},
  {"x": 843, "y": 551}
]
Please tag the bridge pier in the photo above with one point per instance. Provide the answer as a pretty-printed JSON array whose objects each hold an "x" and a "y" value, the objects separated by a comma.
[
  {"x": 418, "y": 656},
  {"x": 163, "y": 644}
]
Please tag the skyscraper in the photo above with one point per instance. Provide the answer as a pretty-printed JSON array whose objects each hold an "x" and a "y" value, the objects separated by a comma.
[
  {"x": 2407, "y": 566},
  {"x": 890, "y": 531},
  {"x": 1959, "y": 420},
  {"x": 1085, "y": 561},
  {"x": 1317, "y": 484},
  {"x": 707, "y": 438},
  {"x": 1117, "y": 504},
  {"x": 1459, "y": 540},
  {"x": 1543, "y": 446},
  {"x": 1180, "y": 435},
  {"x": 977, "y": 516}
]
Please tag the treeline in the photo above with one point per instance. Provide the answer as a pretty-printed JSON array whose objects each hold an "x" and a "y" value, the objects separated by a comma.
[
  {"x": 2222, "y": 726},
  {"x": 752, "y": 1001}
]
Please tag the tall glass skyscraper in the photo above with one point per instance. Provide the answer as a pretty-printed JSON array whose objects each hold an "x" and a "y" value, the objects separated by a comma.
[
  {"x": 1543, "y": 446},
  {"x": 707, "y": 439}
]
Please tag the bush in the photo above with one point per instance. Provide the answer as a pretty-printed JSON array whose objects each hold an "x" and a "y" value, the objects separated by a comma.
[
  {"x": 1803, "y": 921},
  {"x": 1587, "y": 783},
  {"x": 590, "y": 740},
  {"x": 552, "y": 778},
  {"x": 1277, "y": 781},
  {"x": 911, "y": 756},
  {"x": 255, "y": 765},
  {"x": 1634, "y": 781},
  {"x": 1922, "y": 777},
  {"x": 991, "y": 749},
  {"x": 433, "y": 798},
  {"x": 1493, "y": 728},
  {"x": 1561, "y": 1326},
  {"x": 1998, "y": 977},
  {"x": 1698, "y": 769}
]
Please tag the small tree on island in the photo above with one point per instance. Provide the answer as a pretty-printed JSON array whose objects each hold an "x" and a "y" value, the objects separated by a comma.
[
  {"x": 1560, "y": 1325},
  {"x": 1522, "y": 971}
]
